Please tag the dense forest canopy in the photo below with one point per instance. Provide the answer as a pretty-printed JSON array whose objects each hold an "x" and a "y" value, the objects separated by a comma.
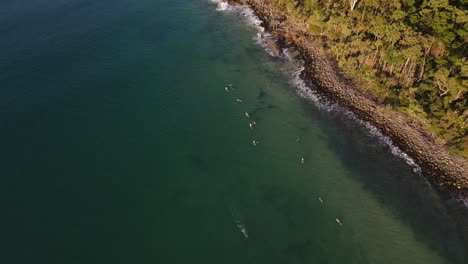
[{"x": 411, "y": 54}]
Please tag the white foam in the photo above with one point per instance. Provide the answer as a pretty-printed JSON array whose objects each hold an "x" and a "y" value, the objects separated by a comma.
[
  {"x": 304, "y": 91},
  {"x": 245, "y": 11},
  {"x": 288, "y": 56},
  {"x": 261, "y": 39},
  {"x": 252, "y": 18},
  {"x": 221, "y": 5}
]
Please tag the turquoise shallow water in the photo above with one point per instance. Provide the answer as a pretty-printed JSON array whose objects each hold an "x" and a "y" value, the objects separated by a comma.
[{"x": 121, "y": 145}]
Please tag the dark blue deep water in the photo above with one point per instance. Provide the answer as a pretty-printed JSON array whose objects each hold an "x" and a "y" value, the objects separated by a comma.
[{"x": 119, "y": 144}]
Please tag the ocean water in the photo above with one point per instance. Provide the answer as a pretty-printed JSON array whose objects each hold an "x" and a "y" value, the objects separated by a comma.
[{"x": 120, "y": 144}]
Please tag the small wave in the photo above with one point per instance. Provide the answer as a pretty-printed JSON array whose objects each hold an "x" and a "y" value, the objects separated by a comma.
[
  {"x": 288, "y": 56},
  {"x": 237, "y": 218},
  {"x": 261, "y": 39},
  {"x": 245, "y": 11},
  {"x": 243, "y": 230},
  {"x": 305, "y": 91},
  {"x": 251, "y": 17},
  {"x": 396, "y": 151}
]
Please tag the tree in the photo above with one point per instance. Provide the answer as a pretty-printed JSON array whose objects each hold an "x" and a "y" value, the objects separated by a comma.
[
  {"x": 352, "y": 4},
  {"x": 411, "y": 53}
]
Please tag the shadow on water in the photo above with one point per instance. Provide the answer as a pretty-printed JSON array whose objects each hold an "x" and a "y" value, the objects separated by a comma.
[
  {"x": 197, "y": 162},
  {"x": 388, "y": 178},
  {"x": 393, "y": 183}
]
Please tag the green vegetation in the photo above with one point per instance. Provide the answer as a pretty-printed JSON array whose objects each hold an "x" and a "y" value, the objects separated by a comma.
[{"x": 411, "y": 54}]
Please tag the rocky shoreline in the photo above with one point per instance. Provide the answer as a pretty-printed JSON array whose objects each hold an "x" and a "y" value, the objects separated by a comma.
[{"x": 446, "y": 173}]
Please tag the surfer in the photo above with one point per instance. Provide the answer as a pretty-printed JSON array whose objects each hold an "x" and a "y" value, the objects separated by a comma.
[
  {"x": 338, "y": 221},
  {"x": 239, "y": 100},
  {"x": 247, "y": 115},
  {"x": 243, "y": 230}
]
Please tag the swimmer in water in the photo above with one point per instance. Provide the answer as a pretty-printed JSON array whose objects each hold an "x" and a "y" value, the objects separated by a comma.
[
  {"x": 239, "y": 100},
  {"x": 227, "y": 90},
  {"x": 320, "y": 199},
  {"x": 302, "y": 160}
]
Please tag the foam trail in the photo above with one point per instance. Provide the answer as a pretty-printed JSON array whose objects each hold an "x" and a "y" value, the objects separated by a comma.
[{"x": 236, "y": 216}]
